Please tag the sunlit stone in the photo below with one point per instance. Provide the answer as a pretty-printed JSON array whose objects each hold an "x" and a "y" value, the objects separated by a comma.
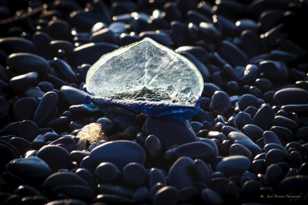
[{"x": 145, "y": 72}]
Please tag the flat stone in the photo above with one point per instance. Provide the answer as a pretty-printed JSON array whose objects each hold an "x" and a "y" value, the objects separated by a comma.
[
  {"x": 179, "y": 175},
  {"x": 287, "y": 96},
  {"x": 233, "y": 165},
  {"x": 119, "y": 152}
]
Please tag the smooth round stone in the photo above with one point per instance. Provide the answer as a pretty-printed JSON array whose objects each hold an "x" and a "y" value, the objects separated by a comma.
[
  {"x": 21, "y": 83},
  {"x": 56, "y": 45},
  {"x": 264, "y": 116},
  {"x": 107, "y": 172},
  {"x": 241, "y": 119},
  {"x": 26, "y": 129},
  {"x": 243, "y": 139},
  {"x": 202, "y": 170},
  {"x": 26, "y": 62},
  {"x": 209, "y": 31},
  {"x": 287, "y": 96},
  {"x": 273, "y": 174},
  {"x": 46, "y": 86},
  {"x": 156, "y": 176},
  {"x": 274, "y": 70},
  {"x": 234, "y": 55},
  {"x": 55, "y": 156},
  {"x": 197, "y": 149},
  {"x": 271, "y": 137},
  {"x": 253, "y": 131},
  {"x": 248, "y": 100},
  {"x": 166, "y": 195},
  {"x": 209, "y": 196},
  {"x": 179, "y": 175},
  {"x": 239, "y": 149},
  {"x": 284, "y": 133},
  {"x": 87, "y": 176},
  {"x": 64, "y": 70},
  {"x": 284, "y": 122},
  {"x": 46, "y": 108},
  {"x": 233, "y": 165},
  {"x": 275, "y": 155},
  {"x": 58, "y": 29},
  {"x": 81, "y": 55},
  {"x": 134, "y": 174},
  {"x": 170, "y": 131},
  {"x": 31, "y": 169},
  {"x": 153, "y": 145},
  {"x": 73, "y": 95},
  {"x": 302, "y": 133},
  {"x": 220, "y": 102},
  {"x": 16, "y": 44},
  {"x": 119, "y": 152},
  {"x": 68, "y": 183},
  {"x": 250, "y": 73},
  {"x": 294, "y": 184},
  {"x": 24, "y": 108},
  {"x": 63, "y": 179},
  {"x": 209, "y": 89}
]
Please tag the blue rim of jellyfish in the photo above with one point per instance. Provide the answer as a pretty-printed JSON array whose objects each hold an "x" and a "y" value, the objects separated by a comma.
[{"x": 156, "y": 109}]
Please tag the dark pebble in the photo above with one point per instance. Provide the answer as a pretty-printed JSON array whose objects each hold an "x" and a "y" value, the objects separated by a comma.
[
  {"x": 233, "y": 165},
  {"x": 166, "y": 195},
  {"x": 273, "y": 174},
  {"x": 179, "y": 175},
  {"x": 119, "y": 152},
  {"x": 248, "y": 100},
  {"x": 32, "y": 170},
  {"x": 220, "y": 102},
  {"x": 56, "y": 157},
  {"x": 253, "y": 131},
  {"x": 81, "y": 55},
  {"x": 134, "y": 174},
  {"x": 16, "y": 44},
  {"x": 264, "y": 116},
  {"x": 46, "y": 108},
  {"x": 21, "y": 63},
  {"x": 107, "y": 172},
  {"x": 21, "y": 83},
  {"x": 274, "y": 70},
  {"x": 73, "y": 95},
  {"x": 287, "y": 96},
  {"x": 64, "y": 70},
  {"x": 26, "y": 129}
]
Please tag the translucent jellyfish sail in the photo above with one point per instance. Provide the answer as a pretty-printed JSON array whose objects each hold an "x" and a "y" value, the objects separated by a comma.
[{"x": 145, "y": 76}]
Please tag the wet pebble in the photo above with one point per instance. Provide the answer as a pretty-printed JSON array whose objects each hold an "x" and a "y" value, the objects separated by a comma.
[
  {"x": 32, "y": 170},
  {"x": 287, "y": 96},
  {"x": 56, "y": 157},
  {"x": 120, "y": 152},
  {"x": 233, "y": 165},
  {"x": 21, "y": 63},
  {"x": 107, "y": 172},
  {"x": 46, "y": 108},
  {"x": 220, "y": 102}
]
